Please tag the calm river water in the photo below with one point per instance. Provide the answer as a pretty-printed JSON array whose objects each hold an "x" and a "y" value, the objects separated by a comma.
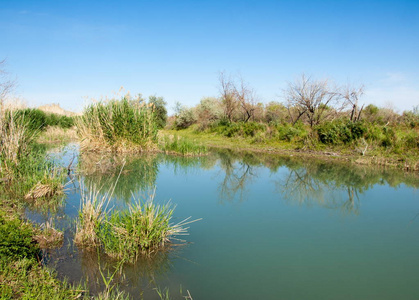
[{"x": 272, "y": 228}]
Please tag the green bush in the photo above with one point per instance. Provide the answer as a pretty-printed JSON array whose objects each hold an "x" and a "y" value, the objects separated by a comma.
[
  {"x": 227, "y": 129},
  {"x": 251, "y": 128},
  {"x": 160, "y": 111},
  {"x": 340, "y": 132},
  {"x": 287, "y": 132},
  {"x": 390, "y": 138},
  {"x": 244, "y": 129},
  {"x": 185, "y": 118},
  {"x": 411, "y": 140},
  {"x": 411, "y": 118},
  {"x": 16, "y": 239}
]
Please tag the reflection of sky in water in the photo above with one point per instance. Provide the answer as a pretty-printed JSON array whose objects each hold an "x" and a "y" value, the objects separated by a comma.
[{"x": 272, "y": 228}]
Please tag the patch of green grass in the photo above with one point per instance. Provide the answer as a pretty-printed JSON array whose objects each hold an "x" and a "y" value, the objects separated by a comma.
[
  {"x": 16, "y": 239},
  {"x": 174, "y": 144},
  {"x": 24, "y": 278}
]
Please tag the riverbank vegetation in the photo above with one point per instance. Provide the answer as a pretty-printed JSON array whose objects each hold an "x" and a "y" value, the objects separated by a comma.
[
  {"x": 29, "y": 177},
  {"x": 173, "y": 144},
  {"x": 315, "y": 116},
  {"x": 126, "y": 125}
]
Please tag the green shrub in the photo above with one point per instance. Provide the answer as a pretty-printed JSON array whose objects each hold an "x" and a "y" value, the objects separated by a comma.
[
  {"x": 340, "y": 132},
  {"x": 411, "y": 118},
  {"x": 411, "y": 140},
  {"x": 243, "y": 129},
  {"x": 228, "y": 129},
  {"x": 389, "y": 138},
  {"x": 287, "y": 132},
  {"x": 249, "y": 129},
  {"x": 160, "y": 111},
  {"x": 208, "y": 111},
  {"x": 185, "y": 117}
]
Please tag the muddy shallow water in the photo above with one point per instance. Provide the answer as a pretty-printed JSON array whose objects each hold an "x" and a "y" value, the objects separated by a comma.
[{"x": 273, "y": 227}]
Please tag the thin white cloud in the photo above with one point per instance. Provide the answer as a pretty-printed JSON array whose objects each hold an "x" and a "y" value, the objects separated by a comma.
[
  {"x": 401, "y": 97},
  {"x": 394, "y": 77},
  {"x": 395, "y": 89}
]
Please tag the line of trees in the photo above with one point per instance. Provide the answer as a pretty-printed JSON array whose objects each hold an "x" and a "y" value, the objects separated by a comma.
[
  {"x": 308, "y": 100},
  {"x": 312, "y": 110}
]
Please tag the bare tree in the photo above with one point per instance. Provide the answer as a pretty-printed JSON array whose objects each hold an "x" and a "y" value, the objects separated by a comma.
[
  {"x": 6, "y": 84},
  {"x": 351, "y": 97},
  {"x": 314, "y": 99},
  {"x": 237, "y": 97},
  {"x": 246, "y": 99},
  {"x": 227, "y": 96}
]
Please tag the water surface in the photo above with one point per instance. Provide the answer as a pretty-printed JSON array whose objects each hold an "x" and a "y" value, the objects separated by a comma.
[{"x": 273, "y": 228}]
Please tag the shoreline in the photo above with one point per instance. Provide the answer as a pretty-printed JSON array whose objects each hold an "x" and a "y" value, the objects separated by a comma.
[{"x": 409, "y": 164}]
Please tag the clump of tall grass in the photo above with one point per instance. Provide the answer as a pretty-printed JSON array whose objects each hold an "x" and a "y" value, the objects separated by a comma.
[
  {"x": 126, "y": 125},
  {"x": 125, "y": 235},
  {"x": 49, "y": 237},
  {"x": 24, "y": 166},
  {"x": 142, "y": 229},
  {"x": 181, "y": 145},
  {"x": 16, "y": 138},
  {"x": 91, "y": 215}
]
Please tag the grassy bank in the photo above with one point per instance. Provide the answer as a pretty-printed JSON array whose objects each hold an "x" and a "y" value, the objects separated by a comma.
[{"x": 374, "y": 155}]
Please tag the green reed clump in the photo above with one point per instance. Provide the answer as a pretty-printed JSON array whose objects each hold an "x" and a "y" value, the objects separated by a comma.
[
  {"x": 142, "y": 229},
  {"x": 16, "y": 137},
  {"x": 24, "y": 165},
  {"x": 126, "y": 125},
  {"x": 91, "y": 215},
  {"x": 181, "y": 145},
  {"x": 40, "y": 120}
]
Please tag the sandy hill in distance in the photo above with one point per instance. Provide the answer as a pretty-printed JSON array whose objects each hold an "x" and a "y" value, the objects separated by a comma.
[{"x": 56, "y": 109}]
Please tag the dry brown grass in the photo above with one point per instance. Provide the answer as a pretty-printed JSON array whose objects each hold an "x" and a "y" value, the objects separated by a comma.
[
  {"x": 44, "y": 190},
  {"x": 57, "y": 135},
  {"x": 15, "y": 138},
  {"x": 49, "y": 237},
  {"x": 92, "y": 212}
]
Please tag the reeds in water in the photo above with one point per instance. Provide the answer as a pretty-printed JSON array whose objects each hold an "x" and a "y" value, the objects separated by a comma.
[
  {"x": 125, "y": 235},
  {"x": 91, "y": 215},
  {"x": 126, "y": 125},
  {"x": 142, "y": 229}
]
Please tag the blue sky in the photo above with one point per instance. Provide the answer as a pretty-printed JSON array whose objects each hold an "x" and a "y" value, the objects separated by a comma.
[{"x": 68, "y": 52}]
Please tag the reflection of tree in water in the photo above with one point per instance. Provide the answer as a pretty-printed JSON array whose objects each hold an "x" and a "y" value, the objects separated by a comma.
[
  {"x": 239, "y": 170},
  {"x": 333, "y": 185},
  {"x": 303, "y": 187},
  {"x": 186, "y": 164},
  {"x": 138, "y": 174}
]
